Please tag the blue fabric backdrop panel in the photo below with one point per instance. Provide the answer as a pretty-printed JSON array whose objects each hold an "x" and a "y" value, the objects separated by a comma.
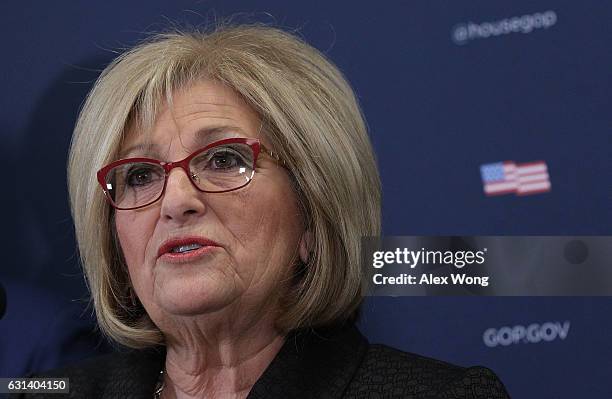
[{"x": 446, "y": 88}]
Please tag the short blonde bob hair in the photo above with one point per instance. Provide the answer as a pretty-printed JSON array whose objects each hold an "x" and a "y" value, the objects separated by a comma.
[{"x": 311, "y": 118}]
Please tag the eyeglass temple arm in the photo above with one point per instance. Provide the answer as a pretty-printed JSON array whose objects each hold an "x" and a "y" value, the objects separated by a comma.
[{"x": 273, "y": 154}]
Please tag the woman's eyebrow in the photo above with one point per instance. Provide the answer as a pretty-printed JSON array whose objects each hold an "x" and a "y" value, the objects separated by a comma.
[
  {"x": 214, "y": 133},
  {"x": 148, "y": 148}
]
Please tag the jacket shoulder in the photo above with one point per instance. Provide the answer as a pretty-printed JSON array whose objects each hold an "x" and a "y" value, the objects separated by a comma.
[
  {"x": 475, "y": 382},
  {"x": 389, "y": 373}
]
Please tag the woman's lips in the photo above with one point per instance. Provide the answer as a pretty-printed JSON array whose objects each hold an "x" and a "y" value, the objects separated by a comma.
[
  {"x": 185, "y": 257},
  {"x": 165, "y": 252}
]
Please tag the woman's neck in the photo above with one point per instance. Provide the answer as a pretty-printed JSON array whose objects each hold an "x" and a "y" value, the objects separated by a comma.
[{"x": 218, "y": 365}]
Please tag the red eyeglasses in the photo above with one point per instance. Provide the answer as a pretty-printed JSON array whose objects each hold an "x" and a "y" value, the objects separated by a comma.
[{"x": 222, "y": 166}]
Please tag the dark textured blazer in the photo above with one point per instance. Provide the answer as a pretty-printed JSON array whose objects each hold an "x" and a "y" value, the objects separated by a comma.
[{"x": 318, "y": 364}]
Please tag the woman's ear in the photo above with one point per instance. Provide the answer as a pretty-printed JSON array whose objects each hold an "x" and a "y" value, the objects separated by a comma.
[{"x": 306, "y": 243}]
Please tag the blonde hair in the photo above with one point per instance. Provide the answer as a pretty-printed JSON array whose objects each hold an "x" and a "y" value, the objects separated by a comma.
[{"x": 310, "y": 117}]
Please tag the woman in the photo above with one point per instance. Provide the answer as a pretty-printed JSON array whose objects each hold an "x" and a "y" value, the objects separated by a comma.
[{"x": 237, "y": 181}]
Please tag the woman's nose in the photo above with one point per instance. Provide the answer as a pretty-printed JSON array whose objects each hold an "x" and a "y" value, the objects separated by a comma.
[{"x": 181, "y": 200}]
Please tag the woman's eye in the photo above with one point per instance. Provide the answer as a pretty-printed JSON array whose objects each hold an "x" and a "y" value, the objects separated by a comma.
[
  {"x": 234, "y": 158},
  {"x": 140, "y": 177},
  {"x": 224, "y": 160}
]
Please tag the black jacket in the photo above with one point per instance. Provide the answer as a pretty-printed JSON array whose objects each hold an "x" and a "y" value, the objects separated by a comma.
[{"x": 321, "y": 364}]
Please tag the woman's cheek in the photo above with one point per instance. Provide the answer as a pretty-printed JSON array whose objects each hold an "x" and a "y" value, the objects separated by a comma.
[{"x": 134, "y": 232}]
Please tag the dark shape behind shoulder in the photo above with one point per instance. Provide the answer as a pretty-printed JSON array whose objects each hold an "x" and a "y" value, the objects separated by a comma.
[{"x": 389, "y": 373}]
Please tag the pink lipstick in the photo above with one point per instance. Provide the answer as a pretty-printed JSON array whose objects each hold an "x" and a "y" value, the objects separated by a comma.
[{"x": 185, "y": 249}]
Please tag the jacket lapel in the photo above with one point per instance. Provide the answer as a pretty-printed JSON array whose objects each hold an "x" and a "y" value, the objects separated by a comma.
[{"x": 313, "y": 364}]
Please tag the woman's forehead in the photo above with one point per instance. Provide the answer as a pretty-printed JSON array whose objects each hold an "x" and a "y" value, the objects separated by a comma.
[
  {"x": 197, "y": 115},
  {"x": 143, "y": 144}
]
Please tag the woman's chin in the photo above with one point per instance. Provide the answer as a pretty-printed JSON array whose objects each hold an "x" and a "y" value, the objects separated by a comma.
[{"x": 194, "y": 297}]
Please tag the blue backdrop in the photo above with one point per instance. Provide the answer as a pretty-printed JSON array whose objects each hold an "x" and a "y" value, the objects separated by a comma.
[{"x": 445, "y": 86}]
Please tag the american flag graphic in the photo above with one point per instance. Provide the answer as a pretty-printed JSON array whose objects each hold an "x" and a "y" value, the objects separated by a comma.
[{"x": 511, "y": 178}]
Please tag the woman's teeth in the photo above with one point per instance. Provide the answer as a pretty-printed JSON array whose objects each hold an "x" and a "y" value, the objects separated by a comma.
[{"x": 185, "y": 248}]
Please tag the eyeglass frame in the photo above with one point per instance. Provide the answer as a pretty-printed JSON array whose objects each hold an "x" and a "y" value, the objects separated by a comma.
[{"x": 256, "y": 146}]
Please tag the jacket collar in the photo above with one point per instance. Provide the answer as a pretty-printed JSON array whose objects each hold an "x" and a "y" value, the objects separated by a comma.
[{"x": 313, "y": 363}]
